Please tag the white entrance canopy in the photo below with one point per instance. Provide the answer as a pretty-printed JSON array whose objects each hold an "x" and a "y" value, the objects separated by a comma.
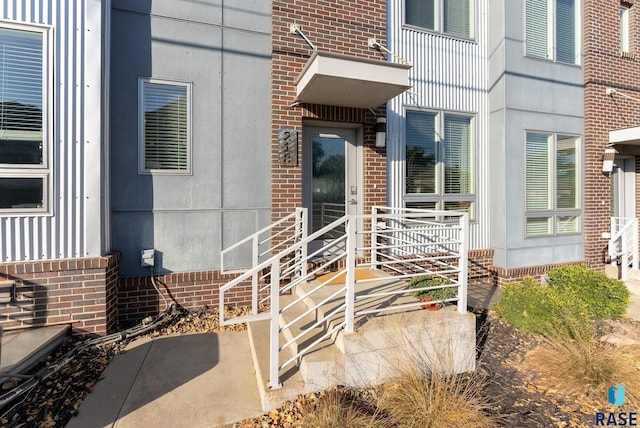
[
  {"x": 625, "y": 136},
  {"x": 341, "y": 80}
]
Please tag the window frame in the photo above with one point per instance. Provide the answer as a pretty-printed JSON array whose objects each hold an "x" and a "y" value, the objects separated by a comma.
[
  {"x": 439, "y": 21},
  {"x": 439, "y": 197},
  {"x": 552, "y": 34},
  {"x": 41, "y": 171},
  {"x": 141, "y": 134},
  {"x": 554, "y": 213}
]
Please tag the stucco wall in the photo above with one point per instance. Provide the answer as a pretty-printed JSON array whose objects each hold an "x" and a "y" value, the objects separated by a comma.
[
  {"x": 525, "y": 94},
  {"x": 224, "y": 52}
]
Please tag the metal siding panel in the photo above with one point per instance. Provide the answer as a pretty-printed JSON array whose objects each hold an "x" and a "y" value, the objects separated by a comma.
[
  {"x": 60, "y": 235},
  {"x": 447, "y": 74}
]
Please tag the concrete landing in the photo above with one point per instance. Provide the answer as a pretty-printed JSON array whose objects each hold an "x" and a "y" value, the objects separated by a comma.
[
  {"x": 22, "y": 349},
  {"x": 634, "y": 299}
]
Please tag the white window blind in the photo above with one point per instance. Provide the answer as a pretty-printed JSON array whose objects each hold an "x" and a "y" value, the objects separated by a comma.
[
  {"x": 457, "y": 17},
  {"x": 439, "y": 161},
  {"x": 624, "y": 29},
  {"x": 538, "y": 178},
  {"x": 552, "y": 184},
  {"x": 21, "y": 94},
  {"x": 566, "y": 31},
  {"x": 566, "y": 172},
  {"x": 421, "y": 154},
  {"x": 421, "y": 13},
  {"x": 24, "y": 97},
  {"x": 457, "y": 154},
  {"x": 552, "y": 29},
  {"x": 537, "y": 28},
  {"x": 166, "y": 126}
]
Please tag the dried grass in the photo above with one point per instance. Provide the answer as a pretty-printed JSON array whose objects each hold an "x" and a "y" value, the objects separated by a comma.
[
  {"x": 587, "y": 367},
  {"x": 420, "y": 399},
  {"x": 337, "y": 408}
]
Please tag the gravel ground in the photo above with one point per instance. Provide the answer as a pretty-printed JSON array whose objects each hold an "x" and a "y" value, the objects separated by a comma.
[{"x": 501, "y": 352}]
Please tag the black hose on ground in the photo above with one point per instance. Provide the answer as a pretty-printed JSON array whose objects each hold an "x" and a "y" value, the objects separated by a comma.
[{"x": 32, "y": 382}]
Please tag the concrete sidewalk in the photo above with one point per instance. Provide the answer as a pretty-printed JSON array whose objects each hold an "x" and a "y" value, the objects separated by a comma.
[{"x": 197, "y": 380}]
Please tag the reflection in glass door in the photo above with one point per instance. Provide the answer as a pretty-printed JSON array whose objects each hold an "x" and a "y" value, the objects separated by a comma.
[
  {"x": 331, "y": 176},
  {"x": 328, "y": 182}
]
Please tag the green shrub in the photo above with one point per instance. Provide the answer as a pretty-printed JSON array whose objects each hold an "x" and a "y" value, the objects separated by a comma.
[
  {"x": 605, "y": 298},
  {"x": 538, "y": 308},
  {"x": 432, "y": 280}
]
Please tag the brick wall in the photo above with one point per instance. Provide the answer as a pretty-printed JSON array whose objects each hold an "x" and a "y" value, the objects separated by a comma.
[
  {"x": 137, "y": 298},
  {"x": 80, "y": 292},
  {"x": 504, "y": 276},
  {"x": 606, "y": 67},
  {"x": 339, "y": 27}
]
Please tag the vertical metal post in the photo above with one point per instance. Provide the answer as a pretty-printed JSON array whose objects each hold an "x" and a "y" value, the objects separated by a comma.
[
  {"x": 612, "y": 244},
  {"x": 374, "y": 238},
  {"x": 463, "y": 263},
  {"x": 624, "y": 266},
  {"x": 350, "y": 276},
  {"x": 274, "y": 331},
  {"x": 254, "y": 277},
  {"x": 635, "y": 244},
  {"x": 303, "y": 238}
]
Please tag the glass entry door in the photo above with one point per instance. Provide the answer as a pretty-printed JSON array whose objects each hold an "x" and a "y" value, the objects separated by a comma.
[{"x": 331, "y": 170}]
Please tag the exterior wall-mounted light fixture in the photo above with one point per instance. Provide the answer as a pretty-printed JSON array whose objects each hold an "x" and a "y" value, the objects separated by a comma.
[
  {"x": 607, "y": 160},
  {"x": 381, "y": 131}
]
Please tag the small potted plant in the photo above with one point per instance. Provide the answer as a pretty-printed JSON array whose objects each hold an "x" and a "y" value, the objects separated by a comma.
[{"x": 424, "y": 294}]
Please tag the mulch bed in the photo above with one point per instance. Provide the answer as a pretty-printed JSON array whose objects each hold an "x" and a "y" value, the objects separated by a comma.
[{"x": 514, "y": 395}]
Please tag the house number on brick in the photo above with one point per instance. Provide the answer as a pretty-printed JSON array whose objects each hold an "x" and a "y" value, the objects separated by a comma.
[{"x": 288, "y": 152}]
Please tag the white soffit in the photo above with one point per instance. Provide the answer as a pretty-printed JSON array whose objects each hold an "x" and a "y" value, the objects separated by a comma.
[
  {"x": 625, "y": 136},
  {"x": 348, "y": 81}
]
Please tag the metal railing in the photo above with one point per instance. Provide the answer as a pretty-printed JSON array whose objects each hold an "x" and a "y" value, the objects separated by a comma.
[
  {"x": 400, "y": 243},
  {"x": 623, "y": 244},
  {"x": 273, "y": 239}
]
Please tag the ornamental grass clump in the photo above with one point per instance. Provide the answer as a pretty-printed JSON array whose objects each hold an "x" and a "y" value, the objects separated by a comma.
[
  {"x": 339, "y": 408},
  {"x": 586, "y": 366},
  {"x": 419, "y": 399}
]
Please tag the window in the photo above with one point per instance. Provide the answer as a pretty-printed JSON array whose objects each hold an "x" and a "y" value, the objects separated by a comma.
[
  {"x": 439, "y": 161},
  {"x": 624, "y": 28},
  {"x": 552, "y": 184},
  {"x": 447, "y": 16},
  {"x": 24, "y": 124},
  {"x": 165, "y": 127},
  {"x": 552, "y": 30}
]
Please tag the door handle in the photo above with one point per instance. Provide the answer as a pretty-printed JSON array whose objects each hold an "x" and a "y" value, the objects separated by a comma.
[{"x": 353, "y": 201}]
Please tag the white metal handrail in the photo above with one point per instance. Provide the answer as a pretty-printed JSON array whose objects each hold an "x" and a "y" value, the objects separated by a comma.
[
  {"x": 397, "y": 242},
  {"x": 623, "y": 244},
  {"x": 284, "y": 231}
]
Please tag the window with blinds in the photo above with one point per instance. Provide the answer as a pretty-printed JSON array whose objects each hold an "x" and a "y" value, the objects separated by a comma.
[
  {"x": 439, "y": 153},
  {"x": 453, "y": 17},
  {"x": 549, "y": 24},
  {"x": 624, "y": 28},
  {"x": 552, "y": 184},
  {"x": 23, "y": 143},
  {"x": 165, "y": 138}
]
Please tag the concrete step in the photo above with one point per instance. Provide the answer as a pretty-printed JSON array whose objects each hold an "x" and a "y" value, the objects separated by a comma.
[
  {"x": 292, "y": 382},
  {"x": 319, "y": 366},
  {"x": 368, "y": 356},
  {"x": 22, "y": 349}
]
